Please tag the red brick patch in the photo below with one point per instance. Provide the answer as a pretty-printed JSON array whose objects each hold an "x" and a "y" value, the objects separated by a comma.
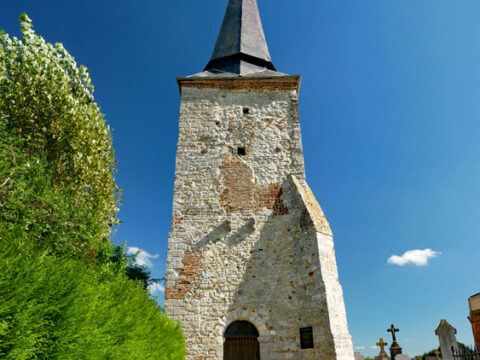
[
  {"x": 241, "y": 193},
  {"x": 255, "y": 85},
  {"x": 268, "y": 195},
  {"x": 176, "y": 220},
  {"x": 192, "y": 265}
]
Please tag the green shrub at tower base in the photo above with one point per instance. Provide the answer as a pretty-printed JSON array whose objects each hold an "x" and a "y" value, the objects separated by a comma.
[
  {"x": 65, "y": 291},
  {"x": 59, "y": 308}
]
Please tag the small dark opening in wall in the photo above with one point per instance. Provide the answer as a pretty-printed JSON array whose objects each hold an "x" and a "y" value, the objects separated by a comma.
[
  {"x": 241, "y": 151},
  {"x": 246, "y": 110},
  {"x": 306, "y": 338}
]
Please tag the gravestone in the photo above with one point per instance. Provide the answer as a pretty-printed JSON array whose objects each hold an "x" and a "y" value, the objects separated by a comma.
[
  {"x": 382, "y": 355},
  {"x": 358, "y": 356},
  {"x": 402, "y": 357},
  {"x": 395, "y": 349},
  {"x": 446, "y": 337}
]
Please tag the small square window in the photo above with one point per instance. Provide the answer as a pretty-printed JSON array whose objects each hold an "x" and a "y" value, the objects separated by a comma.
[
  {"x": 306, "y": 338},
  {"x": 246, "y": 110},
  {"x": 241, "y": 151}
]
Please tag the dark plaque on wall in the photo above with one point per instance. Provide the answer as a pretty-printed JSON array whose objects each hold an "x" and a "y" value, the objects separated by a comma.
[{"x": 306, "y": 338}]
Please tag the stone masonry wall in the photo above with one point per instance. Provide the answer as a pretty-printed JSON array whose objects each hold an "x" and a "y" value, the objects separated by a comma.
[{"x": 248, "y": 241}]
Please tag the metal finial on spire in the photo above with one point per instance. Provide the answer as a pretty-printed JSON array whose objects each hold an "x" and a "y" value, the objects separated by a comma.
[{"x": 241, "y": 46}]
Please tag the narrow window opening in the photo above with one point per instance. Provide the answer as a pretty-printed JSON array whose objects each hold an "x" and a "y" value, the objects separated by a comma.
[
  {"x": 246, "y": 110},
  {"x": 306, "y": 338},
  {"x": 241, "y": 151}
]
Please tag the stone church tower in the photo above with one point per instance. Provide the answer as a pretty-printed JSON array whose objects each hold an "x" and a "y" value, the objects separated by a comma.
[{"x": 251, "y": 270}]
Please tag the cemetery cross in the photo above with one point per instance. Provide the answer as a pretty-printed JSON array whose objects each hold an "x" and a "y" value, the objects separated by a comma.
[
  {"x": 382, "y": 345},
  {"x": 393, "y": 331}
]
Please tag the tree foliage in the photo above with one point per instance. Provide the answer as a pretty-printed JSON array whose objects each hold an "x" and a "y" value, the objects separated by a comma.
[
  {"x": 53, "y": 307},
  {"x": 48, "y": 118},
  {"x": 432, "y": 353},
  {"x": 65, "y": 291},
  {"x": 461, "y": 347},
  {"x": 134, "y": 271}
]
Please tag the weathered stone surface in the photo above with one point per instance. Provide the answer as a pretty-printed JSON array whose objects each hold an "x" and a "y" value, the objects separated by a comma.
[
  {"x": 248, "y": 240},
  {"x": 402, "y": 357},
  {"x": 358, "y": 356},
  {"x": 447, "y": 339},
  {"x": 383, "y": 354}
]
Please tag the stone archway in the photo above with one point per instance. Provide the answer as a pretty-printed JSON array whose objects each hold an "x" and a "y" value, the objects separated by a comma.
[{"x": 241, "y": 342}]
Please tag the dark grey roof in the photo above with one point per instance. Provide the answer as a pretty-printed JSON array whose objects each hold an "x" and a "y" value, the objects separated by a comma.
[
  {"x": 212, "y": 74},
  {"x": 241, "y": 47}
]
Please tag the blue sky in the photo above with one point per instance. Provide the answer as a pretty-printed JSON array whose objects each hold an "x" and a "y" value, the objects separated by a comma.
[{"x": 390, "y": 116}]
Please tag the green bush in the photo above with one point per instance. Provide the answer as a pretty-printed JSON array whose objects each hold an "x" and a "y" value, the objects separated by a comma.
[
  {"x": 54, "y": 307},
  {"x": 65, "y": 291}
]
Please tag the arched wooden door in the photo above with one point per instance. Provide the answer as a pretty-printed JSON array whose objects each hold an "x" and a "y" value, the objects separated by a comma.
[{"x": 241, "y": 342}]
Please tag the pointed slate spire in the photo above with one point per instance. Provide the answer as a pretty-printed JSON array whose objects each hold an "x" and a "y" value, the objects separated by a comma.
[{"x": 241, "y": 47}]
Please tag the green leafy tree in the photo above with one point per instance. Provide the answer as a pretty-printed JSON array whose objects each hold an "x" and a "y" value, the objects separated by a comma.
[
  {"x": 49, "y": 120},
  {"x": 461, "y": 348},
  {"x": 139, "y": 273},
  {"x": 65, "y": 289},
  {"x": 433, "y": 353}
]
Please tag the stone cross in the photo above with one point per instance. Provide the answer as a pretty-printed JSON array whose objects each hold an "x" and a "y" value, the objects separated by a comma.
[
  {"x": 383, "y": 355},
  {"x": 437, "y": 353},
  {"x": 446, "y": 337},
  {"x": 382, "y": 345},
  {"x": 393, "y": 331},
  {"x": 395, "y": 349}
]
